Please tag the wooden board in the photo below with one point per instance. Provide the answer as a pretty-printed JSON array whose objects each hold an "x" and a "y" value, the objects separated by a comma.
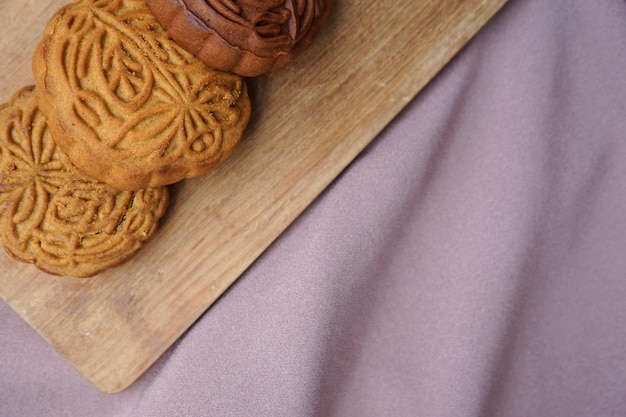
[{"x": 309, "y": 122}]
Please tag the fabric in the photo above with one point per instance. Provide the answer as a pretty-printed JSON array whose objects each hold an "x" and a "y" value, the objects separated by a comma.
[{"x": 469, "y": 263}]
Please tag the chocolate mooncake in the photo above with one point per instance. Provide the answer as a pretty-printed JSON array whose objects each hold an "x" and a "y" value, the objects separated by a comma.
[{"x": 247, "y": 37}]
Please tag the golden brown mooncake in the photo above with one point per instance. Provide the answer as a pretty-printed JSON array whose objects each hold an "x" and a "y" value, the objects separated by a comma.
[
  {"x": 247, "y": 37},
  {"x": 128, "y": 105},
  {"x": 53, "y": 215}
]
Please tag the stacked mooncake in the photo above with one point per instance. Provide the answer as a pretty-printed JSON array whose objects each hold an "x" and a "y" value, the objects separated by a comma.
[{"x": 127, "y": 101}]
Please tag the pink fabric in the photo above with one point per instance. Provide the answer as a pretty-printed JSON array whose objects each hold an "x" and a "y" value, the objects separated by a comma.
[{"x": 471, "y": 262}]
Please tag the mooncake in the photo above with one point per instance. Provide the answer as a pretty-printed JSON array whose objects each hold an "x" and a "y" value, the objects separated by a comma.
[
  {"x": 247, "y": 37},
  {"x": 130, "y": 106},
  {"x": 55, "y": 216}
]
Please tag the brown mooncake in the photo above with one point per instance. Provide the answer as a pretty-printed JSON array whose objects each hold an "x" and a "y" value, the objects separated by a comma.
[
  {"x": 53, "y": 215},
  {"x": 130, "y": 106},
  {"x": 247, "y": 37}
]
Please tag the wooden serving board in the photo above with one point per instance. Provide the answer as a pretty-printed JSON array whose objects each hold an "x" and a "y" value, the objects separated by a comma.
[{"x": 309, "y": 122}]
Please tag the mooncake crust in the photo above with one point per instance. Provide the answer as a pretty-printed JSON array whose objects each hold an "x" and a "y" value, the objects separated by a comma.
[
  {"x": 55, "y": 216},
  {"x": 129, "y": 105}
]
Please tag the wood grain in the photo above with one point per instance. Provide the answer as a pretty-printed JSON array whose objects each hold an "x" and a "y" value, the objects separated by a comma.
[{"x": 309, "y": 122}]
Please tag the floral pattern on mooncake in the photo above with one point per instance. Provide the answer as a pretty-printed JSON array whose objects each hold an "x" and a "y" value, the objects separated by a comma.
[
  {"x": 53, "y": 215},
  {"x": 128, "y": 105}
]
